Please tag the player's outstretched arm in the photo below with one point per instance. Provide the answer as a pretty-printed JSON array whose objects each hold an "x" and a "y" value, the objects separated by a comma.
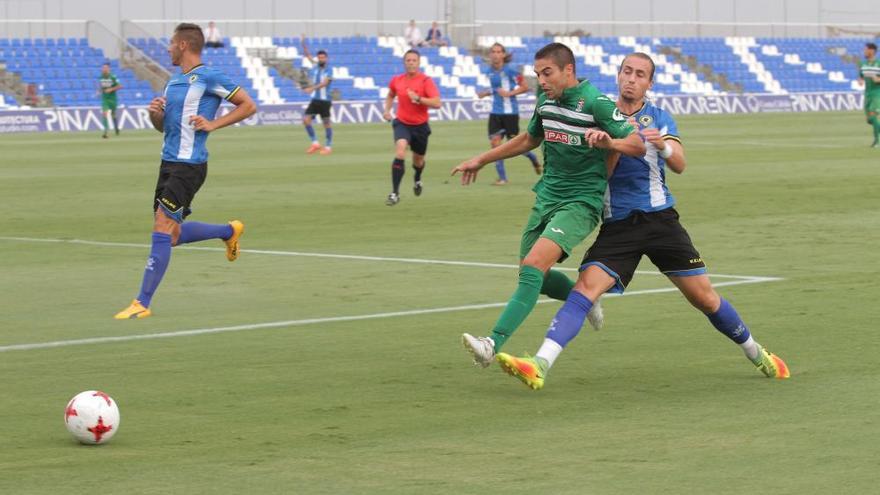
[
  {"x": 631, "y": 145},
  {"x": 516, "y": 146},
  {"x": 244, "y": 108}
]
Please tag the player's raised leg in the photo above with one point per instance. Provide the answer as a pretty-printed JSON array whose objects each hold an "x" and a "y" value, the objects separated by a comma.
[
  {"x": 540, "y": 258},
  {"x": 699, "y": 292},
  {"x": 566, "y": 324}
]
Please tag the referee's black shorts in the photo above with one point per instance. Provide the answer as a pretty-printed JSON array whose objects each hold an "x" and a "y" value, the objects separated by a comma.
[
  {"x": 620, "y": 245},
  {"x": 177, "y": 186},
  {"x": 504, "y": 125},
  {"x": 415, "y": 135}
]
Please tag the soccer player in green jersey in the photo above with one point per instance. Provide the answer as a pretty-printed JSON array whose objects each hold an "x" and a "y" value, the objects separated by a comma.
[
  {"x": 578, "y": 127},
  {"x": 108, "y": 85},
  {"x": 869, "y": 73}
]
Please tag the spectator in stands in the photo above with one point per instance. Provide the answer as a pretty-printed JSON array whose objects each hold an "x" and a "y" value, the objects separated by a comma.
[
  {"x": 413, "y": 35},
  {"x": 320, "y": 77},
  {"x": 435, "y": 37},
  {"x": 213, "y": 39},
  {"x": 108, "y": 86}
]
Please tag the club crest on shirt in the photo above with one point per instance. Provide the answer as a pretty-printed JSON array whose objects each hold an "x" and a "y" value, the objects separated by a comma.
[
  {"x": 580, "y": 105},
  {"x": 646, "y": 120},
  {"x": 193, "y": 78}
]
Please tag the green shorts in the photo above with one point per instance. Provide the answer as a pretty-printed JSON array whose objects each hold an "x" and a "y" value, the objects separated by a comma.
[
  {"x": 872, "y": 104},
  {"x": 567, "y": 225},
  {"x": 108, "y": 105}
]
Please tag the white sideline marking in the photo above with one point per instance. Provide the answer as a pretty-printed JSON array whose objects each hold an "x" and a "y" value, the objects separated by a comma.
[
  {"x": 309, "y": 321},
  {"x": 738, "y": 280},
  {"x": 331, "y": 255}
]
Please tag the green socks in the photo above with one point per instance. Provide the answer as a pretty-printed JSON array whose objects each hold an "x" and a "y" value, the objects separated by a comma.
[
  {"x": 519, "y": 306},
  {"x": 557, "y": 285}
]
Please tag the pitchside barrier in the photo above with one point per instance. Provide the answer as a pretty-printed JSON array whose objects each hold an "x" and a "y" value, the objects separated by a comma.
[{"x": 360, "y": 112}]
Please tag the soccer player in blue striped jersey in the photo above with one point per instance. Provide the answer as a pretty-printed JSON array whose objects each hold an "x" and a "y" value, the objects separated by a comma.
[
  {"x": 320, "y": 78},
  {"x": 640, "y": 219},
  {"x": 506, "y": 83},
  {"x": 186, "y": 115}
]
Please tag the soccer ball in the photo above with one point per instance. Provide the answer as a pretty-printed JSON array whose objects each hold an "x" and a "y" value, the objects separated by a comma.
[{"x": 92, "y": 417}]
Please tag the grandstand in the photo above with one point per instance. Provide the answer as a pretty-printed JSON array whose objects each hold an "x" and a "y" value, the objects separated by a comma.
[{"x": 65, "y": 69}]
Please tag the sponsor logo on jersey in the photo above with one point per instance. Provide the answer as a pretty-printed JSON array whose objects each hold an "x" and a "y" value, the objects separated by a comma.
[{"x": 562, "y": 137}]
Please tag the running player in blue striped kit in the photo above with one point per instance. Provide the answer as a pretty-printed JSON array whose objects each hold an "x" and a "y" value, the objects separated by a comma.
[
  {"x": 506, "y": 83},
  {"x": 320, "y": 78},
  {"x": 640, "y": 219},
  {"x": 184, "y": 114}
]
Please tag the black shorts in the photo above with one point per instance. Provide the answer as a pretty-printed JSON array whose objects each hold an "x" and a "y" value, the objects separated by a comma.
[
  {"x": 659, "y": 235},
  {"x": 503, "y": 125},
  {"x": 177, "y": 186},
  {"x": 319, "y": 107},
  {"x": 415, "y": 135}
]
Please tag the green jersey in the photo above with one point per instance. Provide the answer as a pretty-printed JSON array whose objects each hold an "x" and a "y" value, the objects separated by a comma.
[
  {"x": 574, "y": 172},
  {"x": 868, "y": 69},
  {"x": 106, "y": 82}
]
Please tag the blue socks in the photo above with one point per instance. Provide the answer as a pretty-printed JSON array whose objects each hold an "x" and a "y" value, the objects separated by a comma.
[
  {"x": 328, "y": 133},
  {"x": 728, "y": 322},
  {"x": 499, "y": 167},
  {"x": 532, "y": 157},
  {"x": 160, "y": 256},
  {"x": 569, "y": 319},
  {"x": 197, "y": 231},
  {"x": 311, "y": 132}
]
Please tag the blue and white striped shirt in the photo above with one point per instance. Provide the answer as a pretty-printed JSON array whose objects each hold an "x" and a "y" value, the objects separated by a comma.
[
  {"x": 639, "y": 184},
  {"x": 507, "y": 79},
  {"x": 197, "y": 92},
  {"x": 316, "y": 75}
]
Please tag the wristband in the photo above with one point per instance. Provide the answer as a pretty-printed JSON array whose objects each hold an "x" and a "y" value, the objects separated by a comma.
[{"x": 666, "y": 152}]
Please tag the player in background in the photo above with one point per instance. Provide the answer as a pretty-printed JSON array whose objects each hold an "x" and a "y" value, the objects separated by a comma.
[
  {"x": 578, "y": 126},
  {"x": 640, "y": 219},
  {"x": 320, "y": 77},
  {"x": 184, "y": 114},
  {"x": 415, "y": 93},
  {"x": 869, "y": 74},
  {"x": 108, "y": 86},
  {"x": 506, "y": 83}
]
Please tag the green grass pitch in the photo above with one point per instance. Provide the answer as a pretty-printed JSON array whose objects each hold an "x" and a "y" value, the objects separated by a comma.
[{"x": 357, "y": 382}]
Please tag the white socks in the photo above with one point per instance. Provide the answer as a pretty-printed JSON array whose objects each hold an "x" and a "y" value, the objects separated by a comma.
[{"x": 549, "y": 351}]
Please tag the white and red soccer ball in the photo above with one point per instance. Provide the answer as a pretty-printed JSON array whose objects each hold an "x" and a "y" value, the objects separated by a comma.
[{"x": 92, "y": 417}]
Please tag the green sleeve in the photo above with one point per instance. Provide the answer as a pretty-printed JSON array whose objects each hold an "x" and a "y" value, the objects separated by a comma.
[
  {"x": 609, "y": 118},
  {"x": 536, "y": 126}
]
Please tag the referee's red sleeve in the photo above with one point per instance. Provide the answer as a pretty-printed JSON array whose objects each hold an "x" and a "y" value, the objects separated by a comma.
[{"x": 431, "y": 90}]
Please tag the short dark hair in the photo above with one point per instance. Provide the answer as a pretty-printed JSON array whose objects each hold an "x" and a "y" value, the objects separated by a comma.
[
  {"x": 192, "y": 34},
  {"x": 643, "y": 56},
  {"x": 560, "y": 54},
  {"x": 412, "y": 50},
  {"x": 322, "y": 52},
  {"x": 872, "y": 46}
]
